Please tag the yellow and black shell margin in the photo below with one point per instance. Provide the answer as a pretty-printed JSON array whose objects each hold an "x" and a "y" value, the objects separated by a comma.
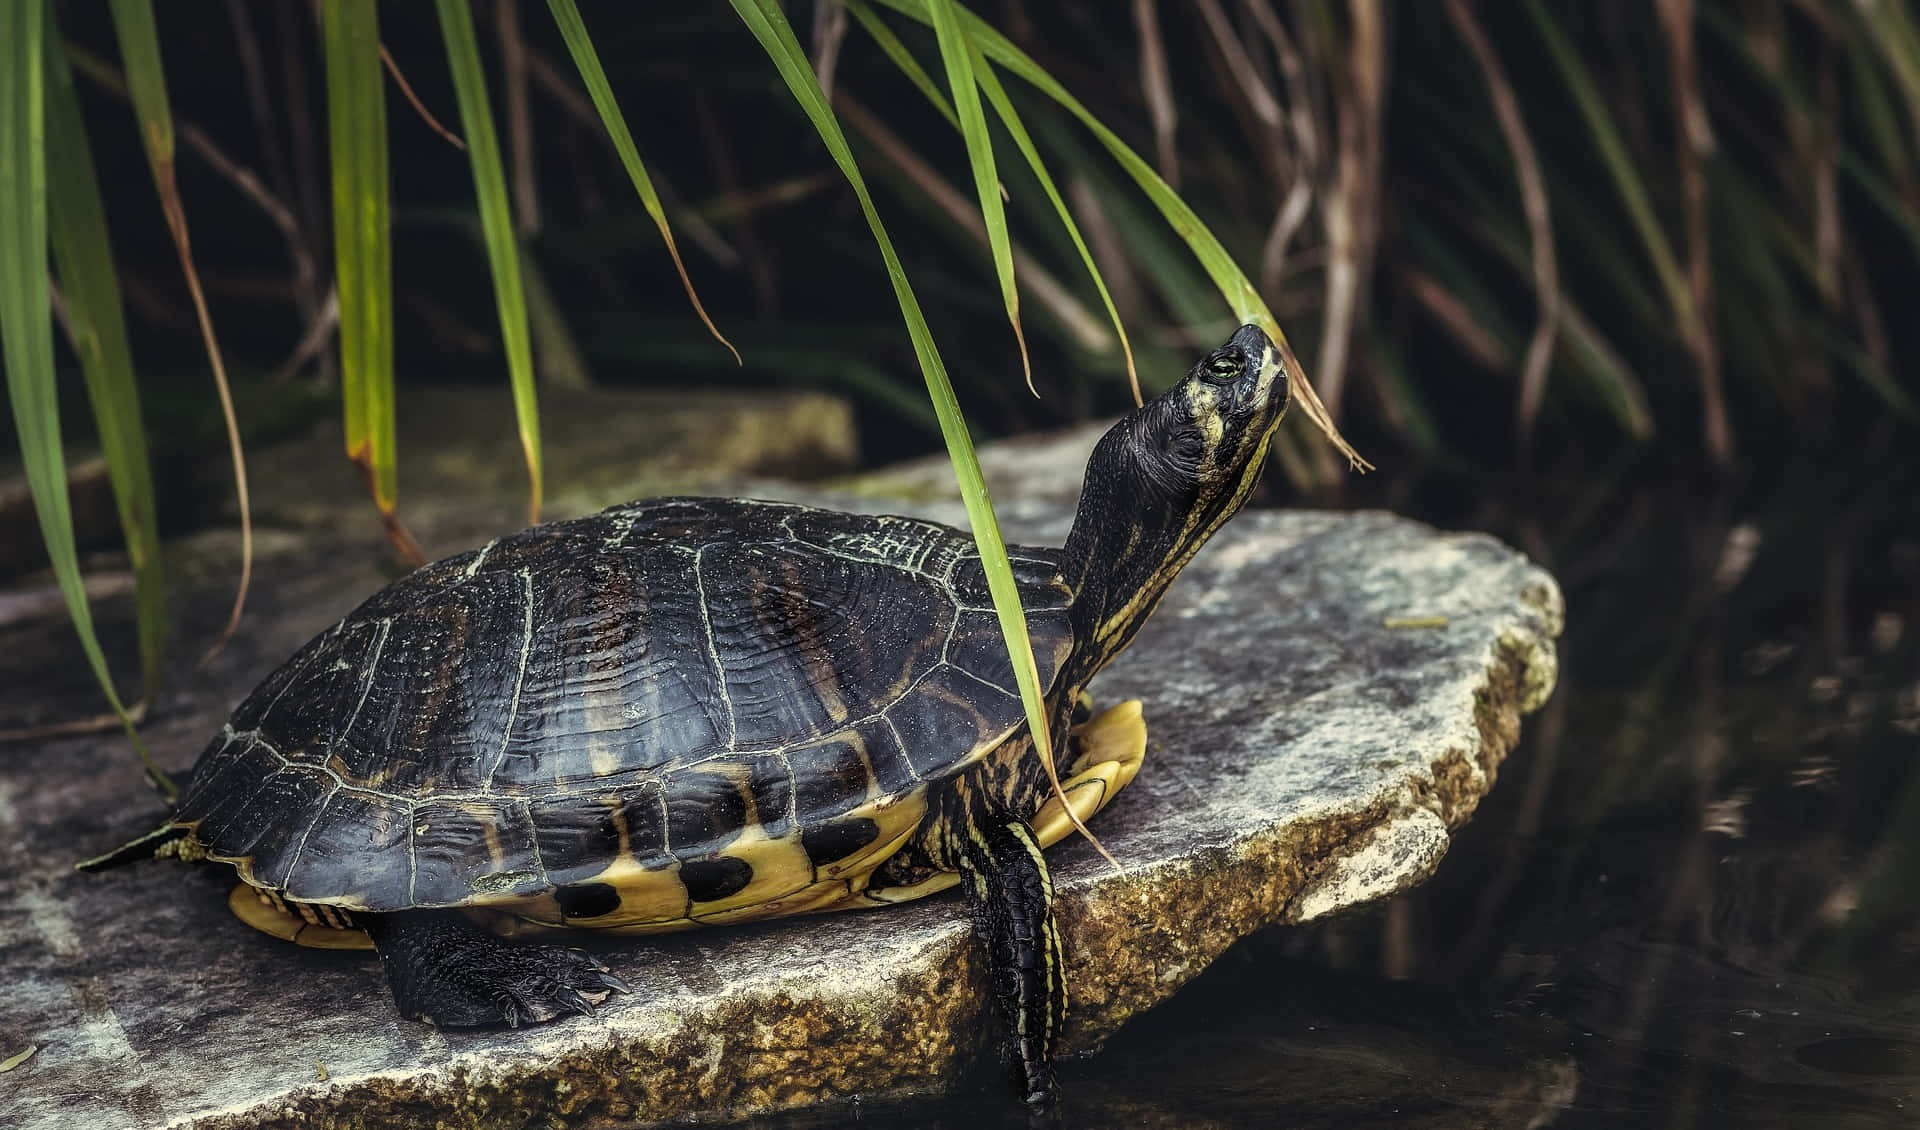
[{"x": 671, "y": 713}]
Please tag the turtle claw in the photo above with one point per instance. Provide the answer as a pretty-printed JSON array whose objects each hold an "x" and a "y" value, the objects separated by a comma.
[
  {"x": 576, "y": 1001},
  {"x": 606, "y": 978}
]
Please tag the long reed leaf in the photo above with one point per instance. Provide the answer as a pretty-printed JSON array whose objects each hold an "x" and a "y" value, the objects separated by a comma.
[
  {"x": 897, "y": 53},
  {"x": 146, "y": 79},
  {"x": 1234, "y": 286},
  {"x": 363, "y": 254},
  {"x": 1010, "y": 119},
  {"x": 1016, "y": 129},
  {"x": 956, "y": 52},
  {"x": 574, "y": 30},
  {"x": 97, "y": 327},
  {"x": 770, "y": 27},
  {"x": 496, "y": 223},
  {"x": 26, "y": 328}
]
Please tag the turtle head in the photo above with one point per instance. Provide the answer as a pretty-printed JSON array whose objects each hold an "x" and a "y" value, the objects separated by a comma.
[
  {"x": 1164, "y": 478},
  {"x": 1198, "y": 440}
]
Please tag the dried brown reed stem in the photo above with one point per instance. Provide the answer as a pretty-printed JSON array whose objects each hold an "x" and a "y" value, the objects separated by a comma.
[
  {"x": 513, "y": 73},
  {"x": 1351, "y": 211},
  {"x": 1695, "y": 145},
  {"x": 1156, "y": 84},
  {"x": 419, "y": 107},
  {"x": 1303, "y": 167},
  {"x": 1533, "y": 201},
  {"x": 829, "y": 33}
]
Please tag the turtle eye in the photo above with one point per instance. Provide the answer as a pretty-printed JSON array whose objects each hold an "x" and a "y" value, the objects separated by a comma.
[{"x": 1222, "y": 367}]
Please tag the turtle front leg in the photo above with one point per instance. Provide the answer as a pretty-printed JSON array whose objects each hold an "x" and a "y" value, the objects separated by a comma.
[
  {"x": 1011, "y": 893},
  {"x": 446, "y": 971}
]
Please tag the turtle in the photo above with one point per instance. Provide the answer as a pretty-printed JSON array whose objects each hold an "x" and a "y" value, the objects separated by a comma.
[{"x": 687, "y": 712}]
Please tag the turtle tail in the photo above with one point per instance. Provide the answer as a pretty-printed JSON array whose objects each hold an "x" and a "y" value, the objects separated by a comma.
[{"x": 150, "y": 846}]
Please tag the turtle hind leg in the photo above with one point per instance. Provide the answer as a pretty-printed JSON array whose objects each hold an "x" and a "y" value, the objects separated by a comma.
[
  {"x": 1012, "y": 897},
  {"x": 446, "y": 971}
]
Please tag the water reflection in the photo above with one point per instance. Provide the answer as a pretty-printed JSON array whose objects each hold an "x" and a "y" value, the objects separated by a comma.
[{"x": 1691, "y": 901}]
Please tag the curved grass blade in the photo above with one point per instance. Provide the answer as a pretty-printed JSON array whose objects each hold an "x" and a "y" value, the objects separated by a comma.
[
  {"x": 957, "y": 53},
  {"x": 503, "y": 249},
  {"x": 1016, "y": 129},
  {"x": 574, "y": 30},
  {"x": 1233, "y": 284},
  {"x": 146, "y": 79},
  {"x": 770, "y": 27},
  {"x": 561, "y": 363},
  {"x": 98, "y": 330},
  {"x": 362, "y": 251},
  {"x": 897, "y": 53},
  {"x": 26, "y": 329}
]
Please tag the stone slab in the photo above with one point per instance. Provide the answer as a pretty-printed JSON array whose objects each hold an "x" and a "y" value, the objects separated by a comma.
[{"x": 1328, "y": 695}]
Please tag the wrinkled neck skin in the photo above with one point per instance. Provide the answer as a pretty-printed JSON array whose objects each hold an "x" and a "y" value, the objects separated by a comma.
[{"x": 1149, "y": 503}]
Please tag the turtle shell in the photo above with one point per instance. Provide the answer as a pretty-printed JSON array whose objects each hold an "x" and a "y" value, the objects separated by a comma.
[{"x": 671, "y": 712}]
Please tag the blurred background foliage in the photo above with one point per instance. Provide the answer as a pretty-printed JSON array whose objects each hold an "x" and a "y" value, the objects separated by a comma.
[
  {"x": 1584, "y": 240},
  {"x": 1729, "y": 191}
]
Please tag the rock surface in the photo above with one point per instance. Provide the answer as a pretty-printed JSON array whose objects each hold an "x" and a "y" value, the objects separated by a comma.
[
  {"x": 599, "y": 446},
  {"x": 1328, "y": 694}
]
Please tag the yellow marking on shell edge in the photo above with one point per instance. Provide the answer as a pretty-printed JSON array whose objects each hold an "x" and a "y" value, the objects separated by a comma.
[
  {"x": 249, "y": 905},
  {"x": 895, "y": 822},
  {"x": 654, "y": 901},
  {"x": 780, "y": 868},
  {"x": 1113, "y": 744},
  {"x": 838, "y": 888}
]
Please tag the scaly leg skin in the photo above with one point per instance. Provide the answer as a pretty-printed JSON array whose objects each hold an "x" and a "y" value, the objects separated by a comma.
[
  {"x": 446, "y": 971},
  {"x": 1012, "y": 898}
]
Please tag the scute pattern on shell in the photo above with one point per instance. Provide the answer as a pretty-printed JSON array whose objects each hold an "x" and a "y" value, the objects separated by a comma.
[{"x": 619, "y": 695}]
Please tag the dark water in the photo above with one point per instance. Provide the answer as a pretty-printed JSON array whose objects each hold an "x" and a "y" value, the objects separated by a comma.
[{"x": 1689, "y": 902}]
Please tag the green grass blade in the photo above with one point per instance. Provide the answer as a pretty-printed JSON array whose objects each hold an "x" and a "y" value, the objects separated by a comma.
[
  {"x": 770, "y": 27},
  {"x": 574, "y": 30},
  {"x": 1234, "y": 286},
  {"x": 146, "y": 78},
  {"x": 503, "y": 250},
  {"x": 1621, "y": 167},
  {"x": 957, "y": 53},
  {"x": 1010, "y": 119},
  {"x": 562, "y": 365},
  {"x": 1016, "y": 129},
  {"x": 98, "y": 329},
  {"x": 133, "y": 25},
  {"x": 902, "y": 58},
  {"x": 1889, "y": 28},
  {"x": 26, "y": 327},
  {"x": 356, "y": 121},
  {"x": 363, "y": 253}
]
